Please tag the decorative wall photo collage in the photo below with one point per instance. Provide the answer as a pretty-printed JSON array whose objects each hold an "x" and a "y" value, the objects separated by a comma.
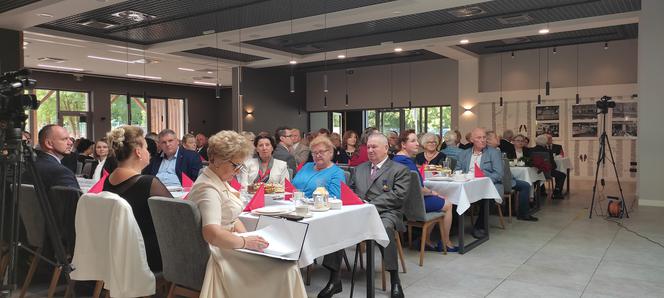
[
  {"x": 548, "y": 120},
  {"x": 624, "y": 120}
]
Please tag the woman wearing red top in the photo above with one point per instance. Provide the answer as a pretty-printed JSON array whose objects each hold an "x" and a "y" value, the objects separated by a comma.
[{"x": 362, "y": 156}]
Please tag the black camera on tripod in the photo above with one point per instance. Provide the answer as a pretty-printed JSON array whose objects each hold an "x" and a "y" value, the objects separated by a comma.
[
  {"x": 13, "y": 101},
  {"x": 604, "y": 104}
]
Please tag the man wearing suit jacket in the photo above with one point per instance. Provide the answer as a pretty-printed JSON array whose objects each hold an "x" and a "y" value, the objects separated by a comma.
[
  {"x": 383, "y": 183},
  {"x": 55, "y": 143},
  {"x": 541, "y": 143},
  {"x": 489, "y": 161},
  {"x": 202, "y": 145},
  {"x": 283, "y": 136},
  {"x": 554, "y": 148},
  {"x": 172, "y": 162},
  {"x": 506, "y": 145},
  {"x": 300, "y": 152}
]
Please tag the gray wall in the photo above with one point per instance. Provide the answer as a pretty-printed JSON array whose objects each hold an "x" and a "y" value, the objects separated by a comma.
[
  {"x": 615, "y": 65},
  {"x": 267, "y": 93},
  {"x": 205, "y": 113},
  {"x": 434, "y": 82},
  {"x": 651, "y": 105}
]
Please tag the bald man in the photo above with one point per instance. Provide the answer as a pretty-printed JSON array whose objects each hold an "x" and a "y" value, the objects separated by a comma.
[
  {"x": 55, "y": 143},
  {"x": 490, "y": 162}
]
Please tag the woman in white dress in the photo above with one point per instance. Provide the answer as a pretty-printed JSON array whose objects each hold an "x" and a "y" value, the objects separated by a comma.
[
  {"x": 231, "y": 273},
  {"x": 264, "y": 167}
]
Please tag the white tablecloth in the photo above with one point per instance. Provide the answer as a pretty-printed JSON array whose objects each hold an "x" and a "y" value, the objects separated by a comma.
[
  {"x": 333, "y": 230},
  {"x": 562, "y": 163},
  {"x": 463, "y": 194},
  {"x": 528, "y": 174}
]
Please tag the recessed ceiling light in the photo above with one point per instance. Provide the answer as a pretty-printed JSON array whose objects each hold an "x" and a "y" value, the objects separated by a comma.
[
  {"x": 25, "y": 43},
  {"x": 205, "y": 83},
  {"x": 396, "y": 12},
  {"x": 140, "y": 61},
  {"x": 134, "y": 16},
  {"x": 45, "y": 15},
  {"x": 143, "y": 76},
  {"x": 544, "y": 31},
  {"x": 398, "y": 50},
  {"x": 60, "y": 67},
  {"x": 186, "y": 69},
  {"x": 341, "y": 56},
  {"x": 463, "y": 41},
  {"x": 209, "y": 72},
  {"x": 292, "y": 62}
]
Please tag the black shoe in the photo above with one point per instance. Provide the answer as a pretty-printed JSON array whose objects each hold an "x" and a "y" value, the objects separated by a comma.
[
  {"x": 557, "y": 195},
  {"x": 397, "y": 291},
  {"x": 478, "y": 233},
  {"x": 528, "y": 218},
  {"x": 330, "y": 289}
]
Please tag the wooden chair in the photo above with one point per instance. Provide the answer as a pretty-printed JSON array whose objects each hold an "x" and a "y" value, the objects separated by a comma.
[{"x": 508, "y": 191}]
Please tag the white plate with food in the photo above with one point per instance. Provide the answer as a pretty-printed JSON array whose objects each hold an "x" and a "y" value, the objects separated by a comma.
[{"x": 273, "y": 210}]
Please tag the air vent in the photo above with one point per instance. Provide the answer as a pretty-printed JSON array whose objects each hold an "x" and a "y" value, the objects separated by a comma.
[
  {"x": 51, "y": 60},
  {"x": 134, "y": 16},
  {"x": 467, "y": 11},
  {"x": 515, "y": 19},
  {"x": 516, "y": 40},
  {"x": 92, "y": 23}
]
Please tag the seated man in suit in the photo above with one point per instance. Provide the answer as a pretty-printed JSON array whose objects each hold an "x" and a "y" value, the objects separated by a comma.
[
  {"x": 172, "y": 162},
  {"x": 383, "y": 183},
  {"x": 554, "y": 148},
  {"x": 55, "y": 143},
  {"x": 541, "y": 143},
  {"x": 284, "y": 140},
  {"x": 489, "y": 161},
  {"x": 202, "y": 145},
  {"x": 506, "y": 145}
]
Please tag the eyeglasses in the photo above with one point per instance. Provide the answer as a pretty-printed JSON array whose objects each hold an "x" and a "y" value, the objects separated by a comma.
[
  {"x": 237, "y": 167},
  {"x": 320, "y": 153}
]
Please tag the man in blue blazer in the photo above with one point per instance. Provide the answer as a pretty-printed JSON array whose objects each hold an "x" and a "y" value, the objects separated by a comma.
[
  {"x": 54, "y": 143},
  {"x": 173, "y": 161},
  {"x": 489, "y": 161}
]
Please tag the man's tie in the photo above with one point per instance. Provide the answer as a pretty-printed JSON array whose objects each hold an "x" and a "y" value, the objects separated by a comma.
[{"x": 374, "y": 170}]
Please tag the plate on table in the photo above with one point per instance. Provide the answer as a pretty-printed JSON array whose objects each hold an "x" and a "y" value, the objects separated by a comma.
[
  {"x": 273, "y": 210},
  {"x": 440, "y": 178},
  {"x": 320, "y": 209},
  {"x": 174, "y": 188}
]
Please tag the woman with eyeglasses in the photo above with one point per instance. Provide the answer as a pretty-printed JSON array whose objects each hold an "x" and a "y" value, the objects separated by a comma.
[
  {"x": 521, "y": 146},
  {"x": 264, "y": 168},
  {"x": 322, "y": 171},
  {"x": 220, "y": 205},
  {"x": 430, "y": 155}
]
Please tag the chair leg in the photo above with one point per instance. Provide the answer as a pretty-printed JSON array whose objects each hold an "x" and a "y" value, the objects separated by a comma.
[
  {"x": 383, "y": 278},
  {"x": 362, "y": 248},
  {"x": 500, "y": 216},
  {"x": 346, "y": 261},
  {"x": 423, "y": 241},
  {"x": 397, "y": 237},
  {"x": 410, "y": 237},
  {"x": 54, "y": 281},
  {"x": 4, "y": 262},
  {"x": 31, "y": 273},
  {"x": 307, "y": 280},
  {"x": 509, "y": 205},
  {"x": 99, "y": 286},
  {"x": 71, "y": 285},
  {"x": 171, "y": 291},
  {"x": 441, "y": 226}
]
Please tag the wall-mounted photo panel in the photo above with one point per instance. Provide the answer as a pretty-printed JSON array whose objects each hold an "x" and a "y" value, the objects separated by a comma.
[
  {"x": 584, "y": 129},
  {"x": 552, "y": 128},
  {"x": 584, "y": 112},
  {"x": 624, "y": 129},
  {"x": 547, "y": 113},
  {"x": 625, "y": 110}
]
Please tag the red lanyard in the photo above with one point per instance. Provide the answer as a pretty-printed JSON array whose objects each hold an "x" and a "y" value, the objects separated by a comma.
[{"x": 262, "y": 176}]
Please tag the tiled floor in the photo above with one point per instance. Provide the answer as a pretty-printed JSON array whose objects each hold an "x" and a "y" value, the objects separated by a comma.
[{"x": 565, "y": 254}]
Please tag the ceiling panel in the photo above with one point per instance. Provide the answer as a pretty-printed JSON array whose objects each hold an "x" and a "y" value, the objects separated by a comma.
[
  {"x": 556, "y": 39},
  {"x": 224, "y": 54},
  {"x": 441, "y": 23},
  {"x": 177, "y": 19},
  {"x": 14, "y": 4},
  {"x": 370, "y": 60}
]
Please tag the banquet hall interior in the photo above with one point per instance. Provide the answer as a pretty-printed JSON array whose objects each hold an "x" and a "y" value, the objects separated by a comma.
[{"x": 537, "y": 125}]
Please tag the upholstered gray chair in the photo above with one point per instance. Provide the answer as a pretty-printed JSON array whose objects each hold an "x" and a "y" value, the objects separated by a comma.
[
  {"x": 416, "y": 215},
  {"x": 184, "y": 252}
]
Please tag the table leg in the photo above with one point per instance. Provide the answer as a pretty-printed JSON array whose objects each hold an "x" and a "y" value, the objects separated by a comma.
[
  {"x": 370, "y": 269},
  {"x": 463, "y": 248},
  {"x": 568, "y": 178},
  {"x": 462, "y": 230}
]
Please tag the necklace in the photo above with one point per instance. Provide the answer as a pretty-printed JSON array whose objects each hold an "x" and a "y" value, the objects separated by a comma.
[{"x": 429, "y": 157}]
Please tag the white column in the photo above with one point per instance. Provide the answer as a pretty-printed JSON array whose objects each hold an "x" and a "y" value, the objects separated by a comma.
[
  {"x": 468, "y": 94},
  {"x": 651, "y": 104}
]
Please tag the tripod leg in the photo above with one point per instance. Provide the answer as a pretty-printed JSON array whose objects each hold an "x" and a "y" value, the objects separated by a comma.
[
  {"x": 600, "y": 157},
  {"x": 54, "y": 281},
  {"x": 615, "y": 170}
]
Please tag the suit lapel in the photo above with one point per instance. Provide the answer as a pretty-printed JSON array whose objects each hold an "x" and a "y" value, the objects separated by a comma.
[{"x": 380, "y": 172}]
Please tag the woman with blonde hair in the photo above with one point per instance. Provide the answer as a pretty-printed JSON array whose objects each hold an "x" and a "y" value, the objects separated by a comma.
[
  {"x": 131, "y": 151},
  {"x": 322, "y": 171},
  {"x": 231, "y": 273},
  {"x": 430, "y": 155}
]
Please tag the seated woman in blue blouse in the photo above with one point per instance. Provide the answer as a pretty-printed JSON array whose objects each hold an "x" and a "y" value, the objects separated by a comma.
[
  {"x": 320, "y": 172},
  {"x": 433, "y": 202}
]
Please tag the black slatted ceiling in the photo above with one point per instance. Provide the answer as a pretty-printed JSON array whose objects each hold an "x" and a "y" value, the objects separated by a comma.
[
  {"x": 224, "y": 54},
  {"x": 177, "y": 19},
  {"x": 14, "y": 4},
  {"x": 441, "y": 23}
]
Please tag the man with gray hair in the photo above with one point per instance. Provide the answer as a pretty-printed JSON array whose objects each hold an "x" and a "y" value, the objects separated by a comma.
[
  {"x": 506, "y": 145},
  {"x": 383, "y": 183},
  {"x": 559, "y": 177},
  {"x": 173, "y": 162}
]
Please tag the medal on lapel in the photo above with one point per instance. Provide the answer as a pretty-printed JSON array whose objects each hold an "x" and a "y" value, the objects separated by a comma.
[{"x": 386, "y": 187}]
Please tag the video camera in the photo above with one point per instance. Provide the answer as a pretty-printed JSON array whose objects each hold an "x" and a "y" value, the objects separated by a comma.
[
  {"x": 13, "y": 101},
  {"x": 604, "y": 104}
]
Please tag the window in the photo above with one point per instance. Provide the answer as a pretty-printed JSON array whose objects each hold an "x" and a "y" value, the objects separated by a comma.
[
  {"x": 70, "y": 109},
  {"x": 167, "y": 113},
  {"x": 437, "y": 120},
  {"x": 390, "y": 121},
  {"x": 337, "y": 125},
  {"x": 162, "y": 113},
  {"x": 132, "y": 112}
]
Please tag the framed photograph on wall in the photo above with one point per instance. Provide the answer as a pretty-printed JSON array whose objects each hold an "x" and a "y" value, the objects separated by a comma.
[
  {"x": 552, "y": 128},
  {"x": 547, "y": 113},
  {"x": 584, "y": 112},
  {"x": 625, "y": 110},
  {"x": 624, "y": 120},
  {"x": 584, "y": 129},
  {"x": 624, "y": 129}
]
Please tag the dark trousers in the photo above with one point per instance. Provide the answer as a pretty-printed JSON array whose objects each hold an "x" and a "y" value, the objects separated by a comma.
[
  {"x": 523, "y": 188},
  {"x": 559, "y": 179},
  {"x": 333, "y": 261}
]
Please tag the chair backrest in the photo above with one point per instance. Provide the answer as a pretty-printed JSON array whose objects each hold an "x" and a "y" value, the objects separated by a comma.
[
  {"x": 413, "y": 207},
  {"x": 79, "y": 167},
  {"x": 31, "y": 215},
  {"x": 546, "y": 157},
  {"x": 88, "y": 168},
  {"x": 347, "y": 175},
  {"x": 507, "y": 176},
  {"x": 290, "y": 174},
  {"x": 453, "y": 163},
  {"x": 63, "y": 201},
  {"x": 184, "y": 252}
]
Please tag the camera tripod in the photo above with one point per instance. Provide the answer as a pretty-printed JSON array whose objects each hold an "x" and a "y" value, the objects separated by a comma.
[{"x": 601, "y": 160}]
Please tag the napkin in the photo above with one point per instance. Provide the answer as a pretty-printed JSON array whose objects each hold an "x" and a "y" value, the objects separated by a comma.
[
  {"x": 186, "y": 181},
  {"x": 288, "y": 187},
  {"x": 258, "y": 201},
  {"x": 99, "y": 186},
  {"x": 478, "y": 172},
  {"x": 235, "y": 184},
  {"x": 422, "y": 171},
  {"x": 348, "y": 197},
  {"x": 301, "y": 165}
]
